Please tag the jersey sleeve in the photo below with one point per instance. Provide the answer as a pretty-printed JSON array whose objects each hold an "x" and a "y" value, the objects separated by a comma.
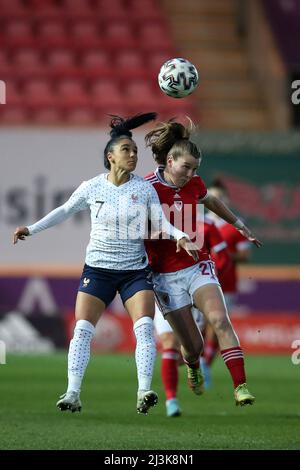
[
  {"x": 158, "y": 219},
  {"x": 76, "y": 203}
]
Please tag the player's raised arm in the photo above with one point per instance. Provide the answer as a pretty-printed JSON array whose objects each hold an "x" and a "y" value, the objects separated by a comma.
[
  {"x": 215, "y": 205},
  {"x": 75, "y": 203}
]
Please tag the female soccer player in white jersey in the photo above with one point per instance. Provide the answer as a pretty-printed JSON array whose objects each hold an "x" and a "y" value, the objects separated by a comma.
[
  {"x": 180, "y": 282},
  {"x": 116, "y": 261}
]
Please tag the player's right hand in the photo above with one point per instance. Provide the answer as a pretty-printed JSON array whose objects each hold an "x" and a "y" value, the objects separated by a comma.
[
  {"x": 189, "y": 247},
  {"x": 20, "y": 234},
  {"x": 246, "y": 232}
]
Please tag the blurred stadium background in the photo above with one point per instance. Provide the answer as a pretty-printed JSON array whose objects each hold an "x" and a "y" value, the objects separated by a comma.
[{"x": 65, "y": 65}]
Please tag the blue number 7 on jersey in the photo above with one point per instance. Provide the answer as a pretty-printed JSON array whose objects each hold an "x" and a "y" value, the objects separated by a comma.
[{"x": 100, "y": 206}]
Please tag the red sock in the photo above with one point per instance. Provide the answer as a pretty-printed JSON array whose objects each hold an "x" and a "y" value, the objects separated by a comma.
[
  {"x": 210, "y": 350},
  {"x": 234, "y": 360},
  {"x": 169, "y": 372}
]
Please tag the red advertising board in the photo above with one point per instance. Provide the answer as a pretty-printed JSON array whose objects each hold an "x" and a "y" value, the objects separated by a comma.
[
  {"x": 267, "y": 334},
  {"x": 258, "y": 333}
]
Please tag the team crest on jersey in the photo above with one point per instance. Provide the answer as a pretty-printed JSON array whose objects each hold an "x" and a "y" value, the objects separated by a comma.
[
  {"x": 86, "y": 282},
  {"x": 178, "y": 205},
  {"x": 134, "y": 198}
]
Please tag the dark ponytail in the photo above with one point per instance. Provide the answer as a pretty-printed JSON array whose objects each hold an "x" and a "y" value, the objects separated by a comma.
[{"x": 121, "y": 128}]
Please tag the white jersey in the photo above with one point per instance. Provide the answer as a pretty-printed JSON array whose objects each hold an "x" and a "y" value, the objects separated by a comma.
[{"x": 119, "y": 220}]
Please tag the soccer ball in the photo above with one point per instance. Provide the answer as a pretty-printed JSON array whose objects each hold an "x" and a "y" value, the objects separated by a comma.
[{"x": 178, "y": 78}]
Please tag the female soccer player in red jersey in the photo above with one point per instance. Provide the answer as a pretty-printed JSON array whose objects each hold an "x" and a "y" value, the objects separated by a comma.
[
  {"x": 171, "y": 357},
  {"x": 180, "y": 282}
]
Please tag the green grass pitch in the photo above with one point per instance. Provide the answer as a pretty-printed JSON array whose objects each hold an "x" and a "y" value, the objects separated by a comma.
[{"x": 30, "y": 386}]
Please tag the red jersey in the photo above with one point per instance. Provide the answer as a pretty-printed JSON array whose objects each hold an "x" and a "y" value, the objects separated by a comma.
[
  {"x": 180, "y": 208},
  {"x": 216, "y": 246},
  {"x": 235, "y": 242}
]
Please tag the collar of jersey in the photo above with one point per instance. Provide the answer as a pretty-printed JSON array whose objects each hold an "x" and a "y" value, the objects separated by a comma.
[
  {"x": 162, "y": 180},
  {"x": 105, "y": 176}
]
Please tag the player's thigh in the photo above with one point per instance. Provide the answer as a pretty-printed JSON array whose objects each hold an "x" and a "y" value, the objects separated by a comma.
[
  {"x": 184, "y": 327},
  {"x": 88, "y": 307},
  {"x": 141, "y": 304},
  {"x": 209, "y": 299}
]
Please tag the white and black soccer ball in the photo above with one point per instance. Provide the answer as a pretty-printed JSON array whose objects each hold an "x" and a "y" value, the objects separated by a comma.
[{"x": 178, "y": 78}]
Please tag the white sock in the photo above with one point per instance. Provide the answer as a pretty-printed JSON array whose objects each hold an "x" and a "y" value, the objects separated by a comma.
[
  {"x": 79, "y": 354},
  {"x": 145, "y": 351}
]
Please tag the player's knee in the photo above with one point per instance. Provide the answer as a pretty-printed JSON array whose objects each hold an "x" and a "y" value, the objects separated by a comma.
[
  {"x": 220, "y": 323},
  {"x": 194, "y": 351},
  {"x": 169, "y": 341}
]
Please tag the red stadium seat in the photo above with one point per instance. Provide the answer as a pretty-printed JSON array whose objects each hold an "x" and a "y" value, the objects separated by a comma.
[
  {"x": 14, "y": 96},
  {"x": 78, "y": 6},
  {"x": 80, "y": 116},
  {"x": 42, "y": 4},
  {"x": 52, "y": 33},
  {"x": 13, "y": 115},
  {"x": 102, "y": 116},
  {"x": 157, "y": 59},
  {"x": 28, "y": 63},
  {"x": 130, "y": 64},
  {"x": 47, "y": 116},
  {"x": 119, "y": 35},
  {"x": 106, "y": 96},
  {"x": 18, "y": 33},
  {"x": 46, "y": 9},
  {"x": 96, "y": 63},
  {"x": 84, "y": 29},
  {"x": 110, "y": 5},
  {"x": 172, "y": 107},
  {"x": 145, "y": 10},
  {"x": 6, "y": 67},
  {"x": 72, "y": 93},
  {"x": 141, "y": 97},
  {"x": 61, "y": 62},
  {"x": 39, "y": 93},
  {"x": 153, "y": 36},
  {"x": 86, "y": 34},
  {"x": 9, "y": 8},
  {"x": 111, "y": 10},
  {"x": 27, "y": 57},
  {"x": 50, "y": 28},
  {"x": 95, "y": 58}
]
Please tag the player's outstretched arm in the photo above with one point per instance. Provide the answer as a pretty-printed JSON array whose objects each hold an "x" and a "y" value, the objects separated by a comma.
[
  {"x": 75, "y": 203},
  {"x": 218, "y": 207},
  {"x": 20, "y": 234}
]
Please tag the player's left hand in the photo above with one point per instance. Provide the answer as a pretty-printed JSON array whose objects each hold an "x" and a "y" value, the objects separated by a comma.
[
  {"x": 251, "y": 237},
  {"x": 189, "y": 247}
]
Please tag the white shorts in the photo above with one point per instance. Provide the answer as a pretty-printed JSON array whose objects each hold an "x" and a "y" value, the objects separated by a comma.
[
  {"x": 175, "y": 290},
  {"x": 162, "y": 325}
]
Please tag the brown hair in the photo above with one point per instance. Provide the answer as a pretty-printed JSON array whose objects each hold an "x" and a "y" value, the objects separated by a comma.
[{"x": 171, "y": 138}]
